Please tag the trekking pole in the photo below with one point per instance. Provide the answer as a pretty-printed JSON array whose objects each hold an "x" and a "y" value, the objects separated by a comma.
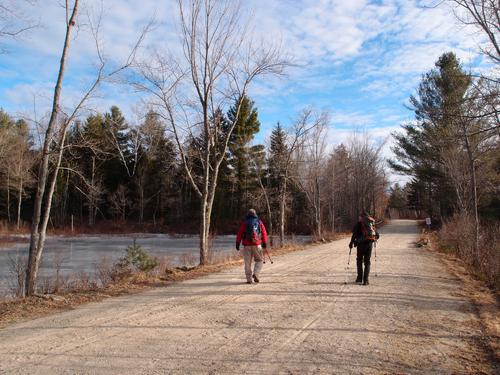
[
  {"x": 347, "y": 267},
  {"x": 376, "y": 258},
  {"x": 269, "y": 256}
]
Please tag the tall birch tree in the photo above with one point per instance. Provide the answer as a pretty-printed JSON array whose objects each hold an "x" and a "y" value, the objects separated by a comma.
[
  {"x": 55, "y": 134},
  {"x": 219, "y": 62}
]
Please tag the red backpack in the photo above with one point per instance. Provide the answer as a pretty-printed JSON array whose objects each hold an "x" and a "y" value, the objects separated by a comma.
[{"x": 368, "y": 229}]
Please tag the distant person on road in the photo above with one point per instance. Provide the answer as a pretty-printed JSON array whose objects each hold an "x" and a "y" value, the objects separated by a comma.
[
  {"x": 364, "y": 235},
  {"x": 254, "y": 237}
]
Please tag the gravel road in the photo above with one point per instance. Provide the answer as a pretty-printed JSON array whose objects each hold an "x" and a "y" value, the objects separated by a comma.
[{"x": 300, "y": 319}]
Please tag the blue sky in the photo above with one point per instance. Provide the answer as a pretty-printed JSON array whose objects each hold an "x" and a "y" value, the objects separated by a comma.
[{"x": 358, "y": 59}]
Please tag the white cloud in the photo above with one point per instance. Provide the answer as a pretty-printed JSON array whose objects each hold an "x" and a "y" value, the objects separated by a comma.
[{"x": 366, "y": 49}]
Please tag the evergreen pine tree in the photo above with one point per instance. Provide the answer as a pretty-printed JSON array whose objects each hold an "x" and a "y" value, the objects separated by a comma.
[
  {"x": 242, "y": 155},
  {"x": 423, "y": 145}
]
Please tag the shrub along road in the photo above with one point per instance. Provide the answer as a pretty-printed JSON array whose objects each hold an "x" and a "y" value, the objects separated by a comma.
[{"x": 301, "y": 318}]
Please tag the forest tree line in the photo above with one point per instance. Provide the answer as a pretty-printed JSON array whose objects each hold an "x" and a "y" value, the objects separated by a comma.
[{"x": 112, "y": 171}]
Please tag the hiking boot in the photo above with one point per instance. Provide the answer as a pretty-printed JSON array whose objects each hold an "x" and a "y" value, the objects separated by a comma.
[
  {"x": 366, "y": 282},
  {"x": 358, "y": 280},
  {"x": 249, "y": 282},
  {"x": 255, "y": 278}
]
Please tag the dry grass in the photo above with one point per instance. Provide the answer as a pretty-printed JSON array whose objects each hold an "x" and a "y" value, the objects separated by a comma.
[
  {"x": 21, "y": 309},
  {"x": 188, "y": 259},
  {"x": 457, "y": 237}
]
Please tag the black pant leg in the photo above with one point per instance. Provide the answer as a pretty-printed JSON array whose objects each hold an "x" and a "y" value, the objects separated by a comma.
[
  {"x": 366, "y": 259},
  {"x": 359, "y": 262}
]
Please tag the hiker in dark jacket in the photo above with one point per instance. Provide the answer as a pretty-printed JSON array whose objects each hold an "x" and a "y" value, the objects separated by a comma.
[
  {"x": 363, "y": 236},
  {"x": 254, "y": 237}
]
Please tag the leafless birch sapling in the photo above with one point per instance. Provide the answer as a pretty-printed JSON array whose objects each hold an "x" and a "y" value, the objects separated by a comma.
[{"x": 55, "y": 138}]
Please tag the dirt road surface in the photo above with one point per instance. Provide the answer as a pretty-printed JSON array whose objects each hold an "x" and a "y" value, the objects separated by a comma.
[{"x": 300, "y": 319}]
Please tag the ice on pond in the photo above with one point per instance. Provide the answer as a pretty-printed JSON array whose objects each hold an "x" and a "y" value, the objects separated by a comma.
[{"x": 83, "y": 253}]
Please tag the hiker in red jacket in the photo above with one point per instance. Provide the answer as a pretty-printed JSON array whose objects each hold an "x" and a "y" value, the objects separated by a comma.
[{"x": 254, "y": 236}]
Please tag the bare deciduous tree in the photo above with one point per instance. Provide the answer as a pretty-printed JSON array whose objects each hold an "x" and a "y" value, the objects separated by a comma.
[
  {"x": 368, "y": 179},
  {"x": 40, "y": 220},
  {"x": 55, "y": 137},
  {"x": 219, "y": 63},
  {"x": 310, "y": 164},
  {"x": 284, "y": 164}
]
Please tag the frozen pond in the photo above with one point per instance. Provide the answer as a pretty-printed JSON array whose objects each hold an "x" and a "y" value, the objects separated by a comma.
[{"x": 84, "y": 253}]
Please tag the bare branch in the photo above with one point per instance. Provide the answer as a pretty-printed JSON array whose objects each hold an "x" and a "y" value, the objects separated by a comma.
[{"x": 485, "y": 16}]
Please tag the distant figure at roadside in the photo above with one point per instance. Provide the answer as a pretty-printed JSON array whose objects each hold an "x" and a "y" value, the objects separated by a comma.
[
  {"x": 254, "y": 236},
  {"x": 364, "y": 235}
]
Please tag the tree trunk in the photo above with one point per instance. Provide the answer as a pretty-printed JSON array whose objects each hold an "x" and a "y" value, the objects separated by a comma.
[
  {"x": 374, "y": 206},
  {"x": 204, "y": 231},
  {"x": 282, "y": 213},
  {"x": 19, "y": 202},
  {"x": 207, "y": 213},
  {"x": 318, "y": 210},
  {"x": 37, "y": 239},
  {"x": 269, "y": 213},
  {"x": 8, "y": 195},
  {"x": 333, "y": 198},
  {"x": 157, "y": 207},
  {"x": 91, "y": 195},
  {"x": 48, "y": 200},
  {"x": 476, "y": 214},
  {"x": 141, "y": 203},
  {"x": 65, "y": 201},
  {"x": 474, "y": 195}
]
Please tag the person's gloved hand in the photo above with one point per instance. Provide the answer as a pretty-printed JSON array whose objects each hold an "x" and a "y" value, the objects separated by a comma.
[
  {"x": 264, "y": 245},
  {"x": 350, "y": 245},
  {"x": 237, "y": 247},
  {"x": 377, "y": 235}
]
